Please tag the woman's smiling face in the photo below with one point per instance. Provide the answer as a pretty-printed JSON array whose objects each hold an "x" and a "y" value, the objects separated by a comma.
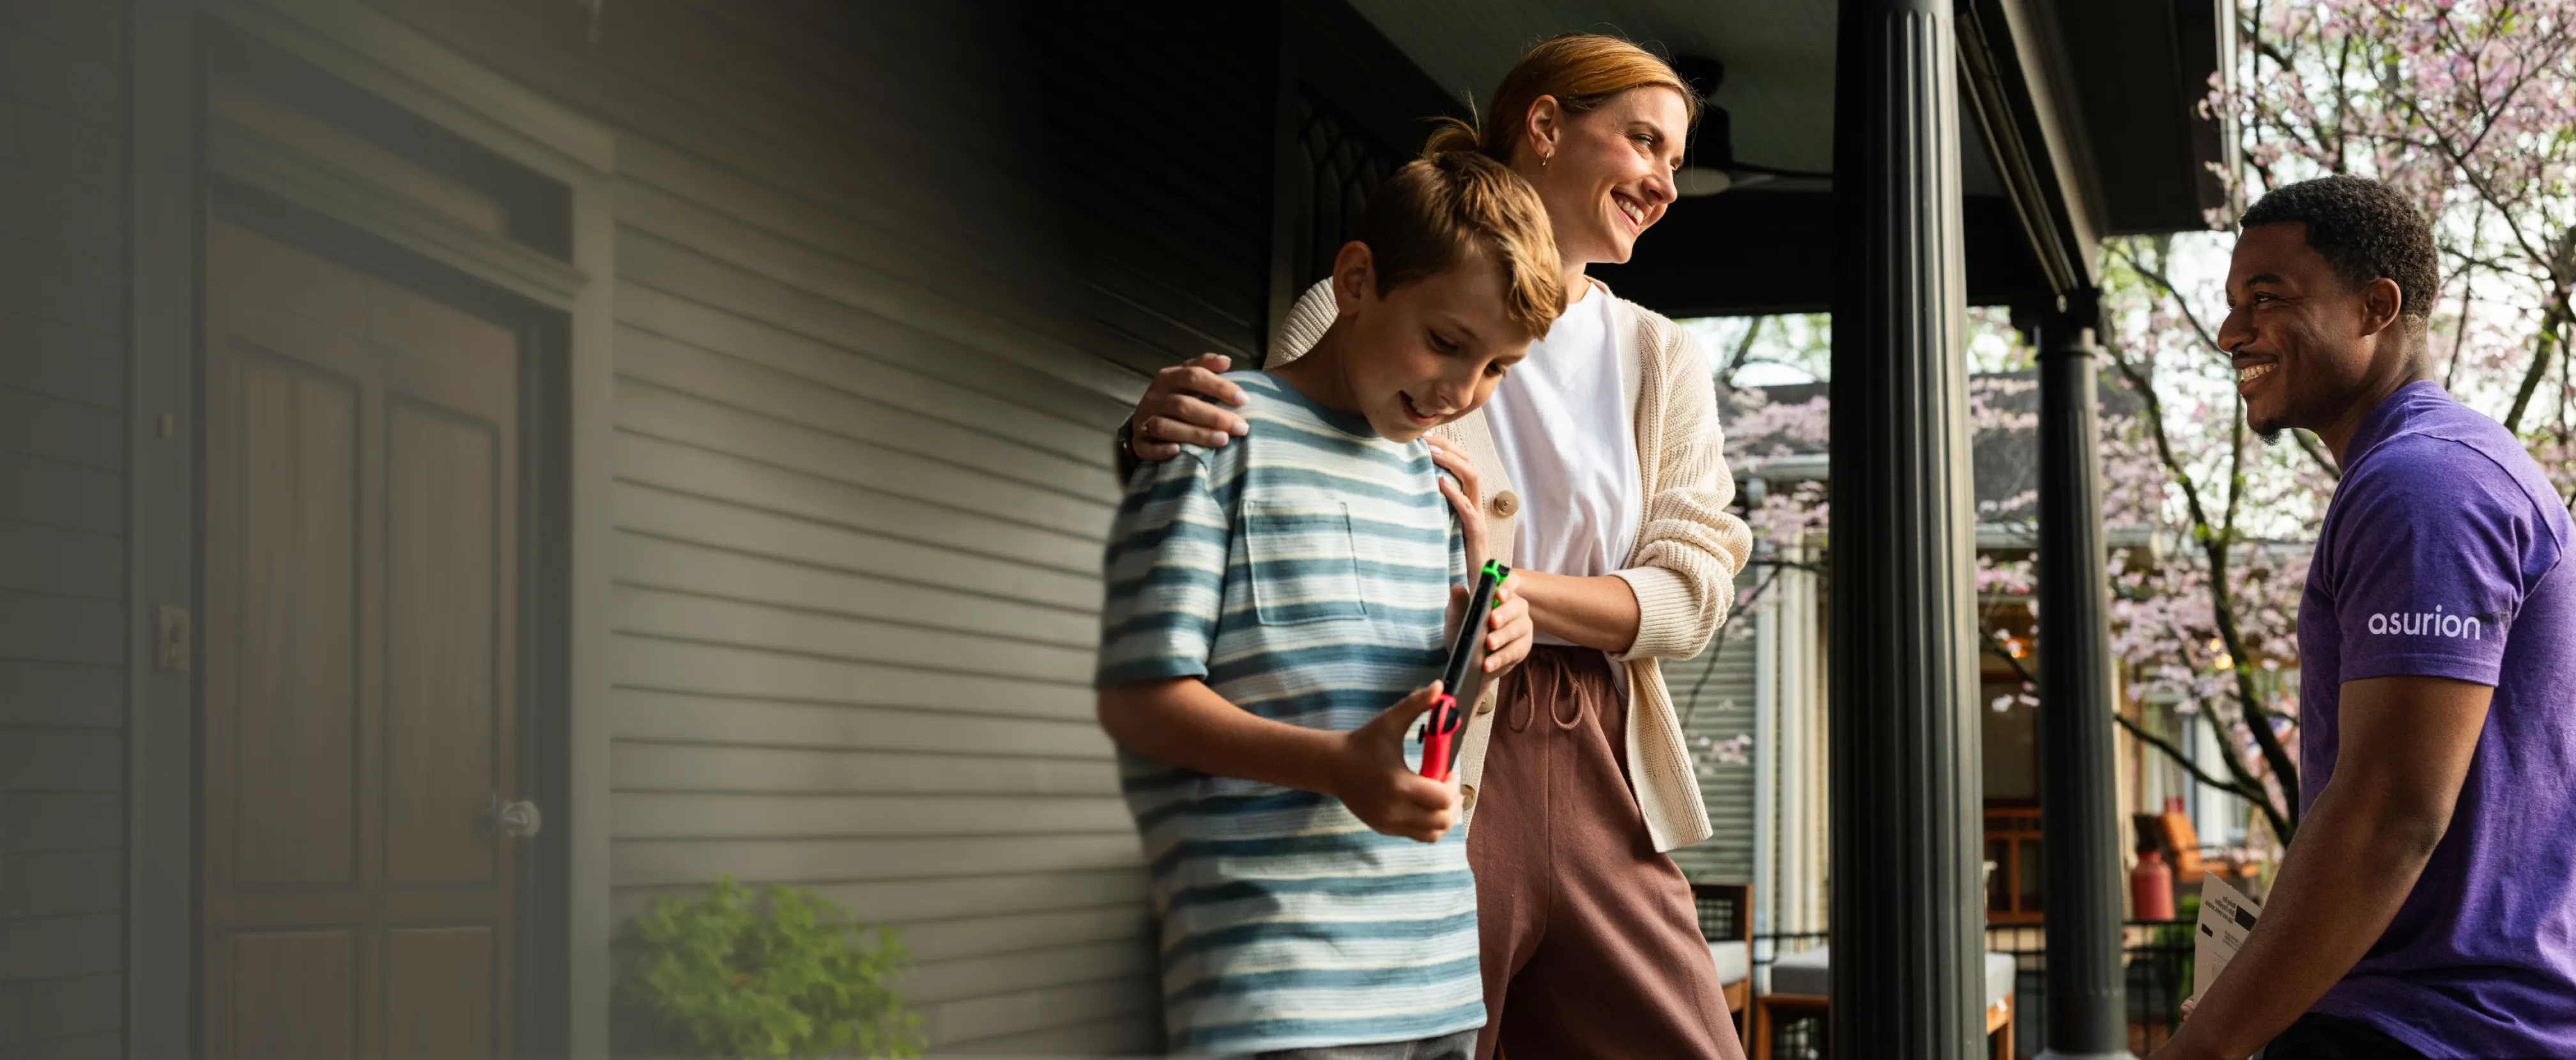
[{"x": 1608, "y": 174}]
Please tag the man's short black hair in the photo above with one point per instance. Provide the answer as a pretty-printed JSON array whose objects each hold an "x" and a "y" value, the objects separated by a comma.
[{"x": 2365, "y": 229}]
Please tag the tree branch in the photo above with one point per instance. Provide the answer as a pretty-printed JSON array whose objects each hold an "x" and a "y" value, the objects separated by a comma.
[
  {"x": 2157, "y": 277},
  {"x": 2214, "y": 544},
  {"x": 2257, "y": 718},
  {"x": 2468, "y": 296},
  {"x": 1994, "y": 647},
  {"x": 2172, "y": 751},
  {"x": 2235, "y": 469},
  {"x": 2552, "y": 332},
  {"x": 1743, "y": 350},
  {"x": 2155, "y": 409},
  {"x": 2179, "y": 758},
  {"x": 1690, "y": 704},
  {"x": 2316, "y": 451}
]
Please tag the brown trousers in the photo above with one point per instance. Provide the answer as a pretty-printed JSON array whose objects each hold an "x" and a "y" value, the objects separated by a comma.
[{"x": 1591, "y": 943}]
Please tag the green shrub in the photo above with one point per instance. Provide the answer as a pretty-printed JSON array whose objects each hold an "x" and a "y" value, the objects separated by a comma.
[{"x": 791, "y": 983}]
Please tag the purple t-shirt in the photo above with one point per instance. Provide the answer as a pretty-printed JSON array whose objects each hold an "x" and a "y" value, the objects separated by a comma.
[{"x": 2439, "y": 557}]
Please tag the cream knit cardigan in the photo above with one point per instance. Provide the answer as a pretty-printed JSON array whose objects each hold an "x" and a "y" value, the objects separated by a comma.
[{"x": 1689, "y": 547}]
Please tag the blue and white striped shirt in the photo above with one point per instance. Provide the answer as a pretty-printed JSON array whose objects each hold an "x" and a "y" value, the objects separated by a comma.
[{"x": 1302, "y": 571}]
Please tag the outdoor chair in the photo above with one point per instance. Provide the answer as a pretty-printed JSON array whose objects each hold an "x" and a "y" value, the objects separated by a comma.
[
  {"x": 2191, "y": 859},
  {"x": 1726, "y": 921},
  {"x": 1800, "y": 981}
]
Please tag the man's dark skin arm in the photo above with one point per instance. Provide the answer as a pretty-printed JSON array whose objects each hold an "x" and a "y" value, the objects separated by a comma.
[{"x": 2405, "y": 750}]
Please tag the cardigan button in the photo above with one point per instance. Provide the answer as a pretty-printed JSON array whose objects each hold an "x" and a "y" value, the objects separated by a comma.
[
  {"x": 1467, "y": 797},
  {"x": 1485, "y": 704},
  {"x": 1506, "y": 503}
]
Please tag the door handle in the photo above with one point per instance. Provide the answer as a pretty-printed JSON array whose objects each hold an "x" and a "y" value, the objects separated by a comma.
[{"x": 518, "y": 819}]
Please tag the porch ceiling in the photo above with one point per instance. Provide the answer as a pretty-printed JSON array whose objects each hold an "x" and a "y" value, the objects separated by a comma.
[
  {"x": 2073, "y": 66},
  {"x": 1779, "y": 55}
]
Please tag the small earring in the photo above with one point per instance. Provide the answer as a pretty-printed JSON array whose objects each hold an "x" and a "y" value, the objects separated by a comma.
[{"x": 1543, "y": 159}]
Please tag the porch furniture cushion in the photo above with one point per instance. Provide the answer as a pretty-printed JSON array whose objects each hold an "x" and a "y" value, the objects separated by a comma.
[
  {"x": 1810, "y": 973},
  {"x": 1999, "y": 977},
  {"x": 1803, "y": 973},
  {"x": 1734, "y": 961}
]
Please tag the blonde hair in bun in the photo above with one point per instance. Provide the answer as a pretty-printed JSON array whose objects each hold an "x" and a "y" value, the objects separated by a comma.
[{"x": 1582, "y": 70}]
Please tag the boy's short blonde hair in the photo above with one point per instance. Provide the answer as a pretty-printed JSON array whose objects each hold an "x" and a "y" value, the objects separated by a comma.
[{"x": 1457, "y": 207}]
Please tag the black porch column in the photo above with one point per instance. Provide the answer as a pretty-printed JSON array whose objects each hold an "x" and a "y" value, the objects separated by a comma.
[
  {"x": 1907, "y": 919},
  {"x": 2085, "y": 991}
]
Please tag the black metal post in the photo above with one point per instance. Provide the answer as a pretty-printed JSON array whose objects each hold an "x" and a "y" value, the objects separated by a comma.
[
  {"x": 1907, "y": 920},
  {"x": 2086, "y": 998}
]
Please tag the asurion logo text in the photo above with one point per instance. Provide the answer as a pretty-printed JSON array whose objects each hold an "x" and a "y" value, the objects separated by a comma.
[{"x": 2431, "y": 623}]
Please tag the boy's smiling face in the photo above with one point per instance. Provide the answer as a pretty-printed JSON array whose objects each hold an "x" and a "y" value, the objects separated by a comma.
[{"x": 1427, "y": 352}]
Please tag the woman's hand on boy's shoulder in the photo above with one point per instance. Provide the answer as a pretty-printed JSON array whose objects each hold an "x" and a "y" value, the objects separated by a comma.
[
  {"x": 1462, "y": 488},
  {"x": 1182, "y": 406},
  {"x": 1371, "y": 777}
]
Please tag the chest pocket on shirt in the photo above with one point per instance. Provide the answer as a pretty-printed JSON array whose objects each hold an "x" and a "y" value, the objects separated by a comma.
[{"x": 1303, "y": 563}]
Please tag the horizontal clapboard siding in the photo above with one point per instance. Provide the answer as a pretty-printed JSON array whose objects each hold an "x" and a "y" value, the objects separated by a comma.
[
  {"x": 1171, "y": 185},
  {"x": 1714, "y": 693},
  {"x": 875, "y": 316},
  {"x": 63, "y": 482}
]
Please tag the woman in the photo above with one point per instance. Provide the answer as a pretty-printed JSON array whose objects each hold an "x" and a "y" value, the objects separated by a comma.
[{"x": 1597, "y": 470}]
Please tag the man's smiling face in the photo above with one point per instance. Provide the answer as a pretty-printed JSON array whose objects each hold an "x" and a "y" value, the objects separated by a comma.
[{"x": 2300, "y": 337}]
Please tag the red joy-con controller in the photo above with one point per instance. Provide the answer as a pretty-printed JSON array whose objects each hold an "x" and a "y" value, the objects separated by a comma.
[{"x": 1439, "y": 731}]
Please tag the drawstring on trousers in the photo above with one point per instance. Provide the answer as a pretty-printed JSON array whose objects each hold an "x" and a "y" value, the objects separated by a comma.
[{"x": 1557, "y": 685}]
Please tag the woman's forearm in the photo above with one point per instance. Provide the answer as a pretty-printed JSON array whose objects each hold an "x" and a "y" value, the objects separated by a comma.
[{"x": 1597, "y": 612}]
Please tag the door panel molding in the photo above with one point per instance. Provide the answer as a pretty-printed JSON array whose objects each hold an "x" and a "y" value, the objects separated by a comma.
[
  {"x": 376, "y": 54},
  {"x": 283, "y": 169}
]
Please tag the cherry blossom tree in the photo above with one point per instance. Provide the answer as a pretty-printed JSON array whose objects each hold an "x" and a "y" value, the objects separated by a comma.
[
  {"x": 2212, "y": 628},
  {"x": 2469, "y": 108}
]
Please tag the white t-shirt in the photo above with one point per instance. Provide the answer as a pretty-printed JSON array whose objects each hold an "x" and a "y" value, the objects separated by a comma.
[{"x": 1568, "y": 442}]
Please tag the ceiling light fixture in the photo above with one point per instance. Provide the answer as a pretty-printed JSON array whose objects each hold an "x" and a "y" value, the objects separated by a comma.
[
  {"x": 1712, "y": 145},
  {"x": 1691, "y": 182}
]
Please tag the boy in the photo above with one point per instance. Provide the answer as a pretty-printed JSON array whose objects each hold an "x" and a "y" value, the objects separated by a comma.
[{"x": 1268, "y": 600}]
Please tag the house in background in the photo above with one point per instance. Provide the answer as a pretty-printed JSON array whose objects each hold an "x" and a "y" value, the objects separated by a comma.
[
  {"x": 1767, "y": 679},
  {"x": 1753, "y": 708},
  {"x": 1765, "y": 682},
  {"x": 469, "y": 468}
]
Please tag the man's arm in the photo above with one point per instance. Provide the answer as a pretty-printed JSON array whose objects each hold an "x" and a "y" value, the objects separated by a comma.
[
  {"x": 2405, "y": 750},
  {"x": 1183, "y": 722}
]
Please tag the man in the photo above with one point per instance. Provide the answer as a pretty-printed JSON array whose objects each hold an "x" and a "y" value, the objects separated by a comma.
[{"x": 2427, "y": 907}]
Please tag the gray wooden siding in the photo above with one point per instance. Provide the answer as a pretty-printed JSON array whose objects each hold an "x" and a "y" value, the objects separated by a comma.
[
  {"x": 1714, "y": 693},
  {"x": 872, "y": 330},
  {"x": 1170, "y": 187},
  {"x": 62, "y": 527}
]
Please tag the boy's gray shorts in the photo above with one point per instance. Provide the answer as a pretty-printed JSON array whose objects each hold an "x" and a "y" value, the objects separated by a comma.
[{"x": 1459, "y": 1046}]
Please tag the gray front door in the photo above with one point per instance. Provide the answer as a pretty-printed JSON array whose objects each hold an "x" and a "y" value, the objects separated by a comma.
[{"x": 361, "y": 566}]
